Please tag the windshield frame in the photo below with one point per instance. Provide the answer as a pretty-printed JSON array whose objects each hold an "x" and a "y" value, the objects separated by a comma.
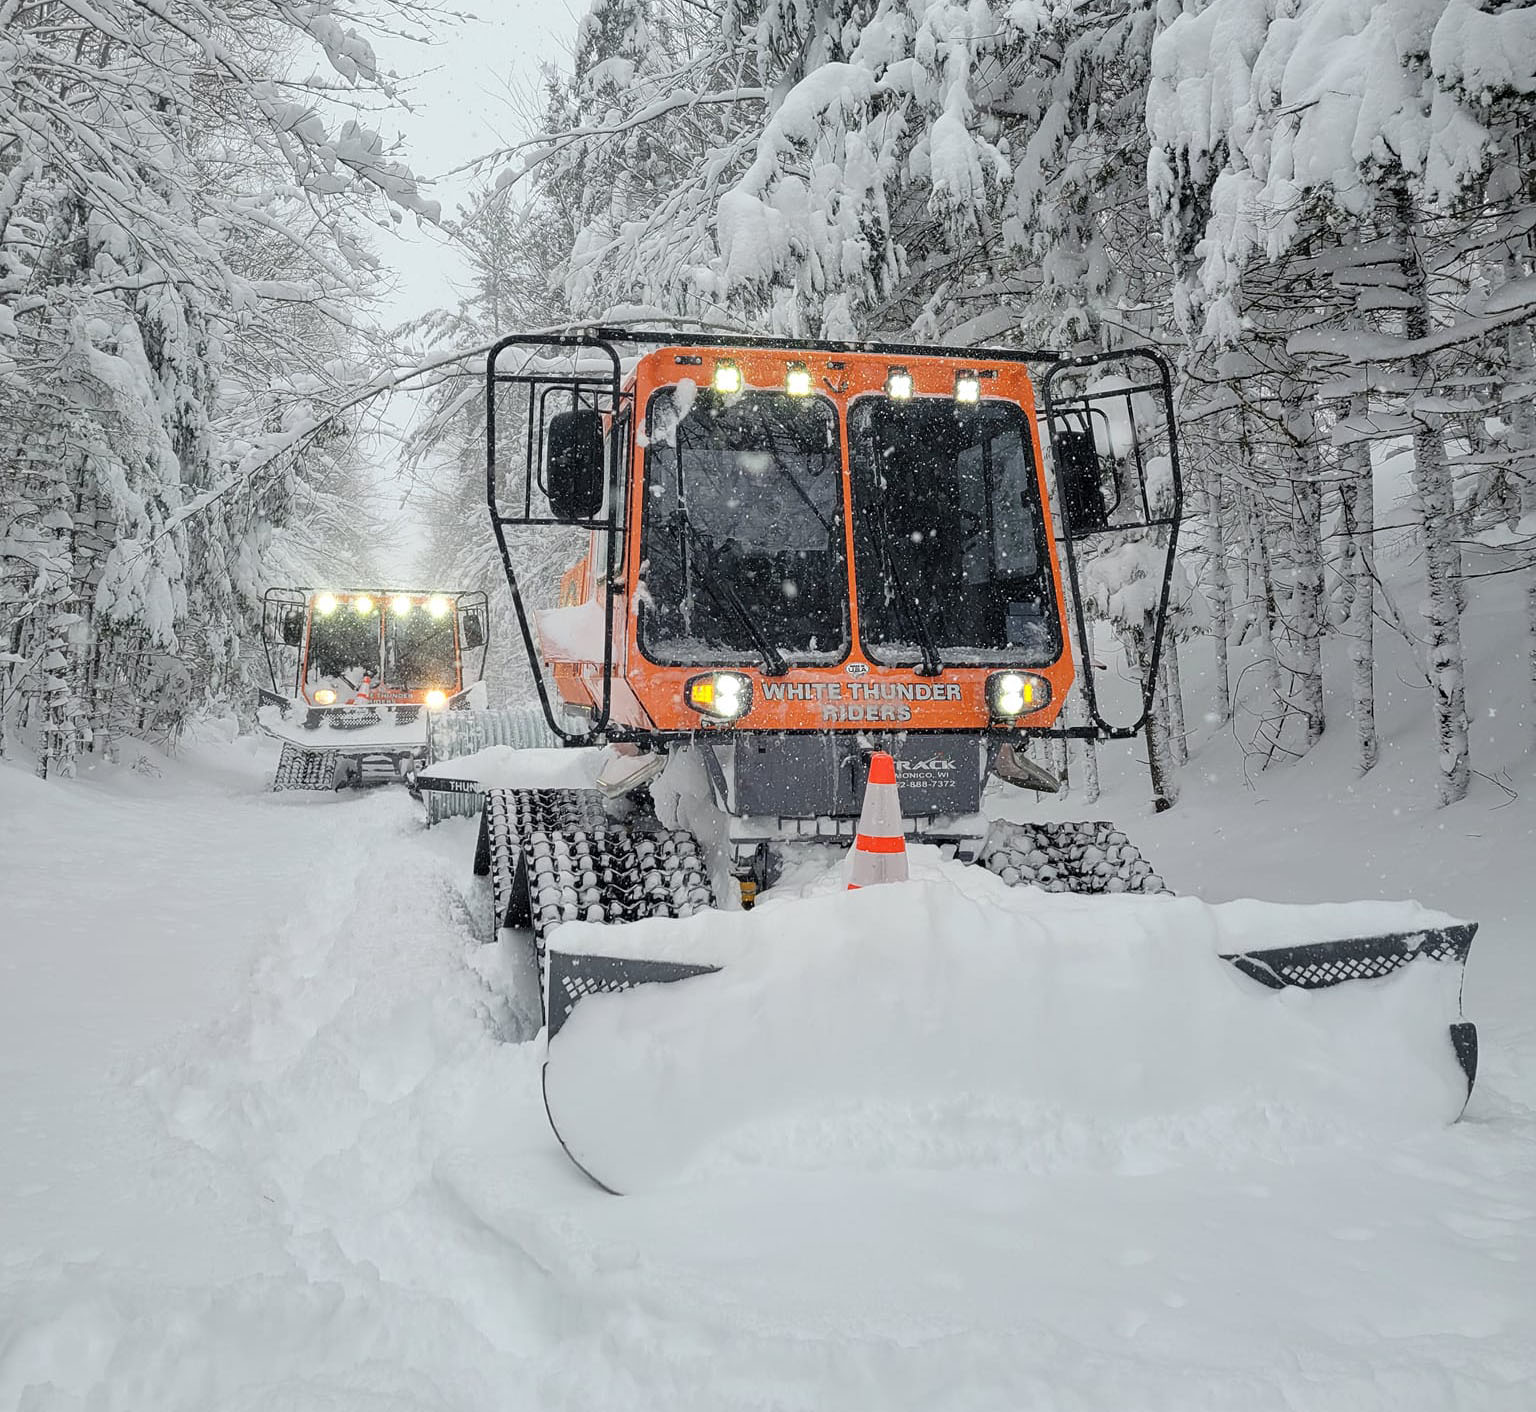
[
  {"x": 676, "y": 651},
  {"x": 870, "y": 578},
  {"x": 311, "y": 677},
  {"x": 393, "y": 676}
]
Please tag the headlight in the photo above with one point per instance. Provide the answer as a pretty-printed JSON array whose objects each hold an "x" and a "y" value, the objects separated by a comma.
[
  {"x": 898, "y": 385},
  {"x": 325, "y": 697},
  {"x": 798, "y": 380},
  {"x": 1011, "y": 694},
  {"x": 437, "y": 605},
  {"x": 401, "y": 604},
  {"x": 436, "y": 699},
  {"x": 725, "y": 696},
  {"x": 364, "y": 605},
  {"x": 325, "y": 604},
  {"x": 967, "y": 388},
  {"x": 727, "y": 377}
]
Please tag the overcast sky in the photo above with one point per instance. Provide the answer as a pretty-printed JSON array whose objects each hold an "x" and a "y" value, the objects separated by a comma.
[{"x": 469, "y": 91}]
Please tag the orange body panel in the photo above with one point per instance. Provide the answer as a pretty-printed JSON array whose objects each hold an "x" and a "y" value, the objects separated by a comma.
[{"x": 856, "y": 693}]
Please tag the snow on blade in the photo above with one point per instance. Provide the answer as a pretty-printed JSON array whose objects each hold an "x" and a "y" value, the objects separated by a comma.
[{"x": 944, "y": 1025}]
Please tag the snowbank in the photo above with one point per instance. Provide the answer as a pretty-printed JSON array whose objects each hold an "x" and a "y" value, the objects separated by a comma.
[
  {"x": 960, "y": 1023},
  {"x": 267, "y": 1145}
]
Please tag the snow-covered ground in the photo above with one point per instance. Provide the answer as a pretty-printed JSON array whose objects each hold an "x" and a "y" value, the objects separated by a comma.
[{"x": 265, "y": 1143}]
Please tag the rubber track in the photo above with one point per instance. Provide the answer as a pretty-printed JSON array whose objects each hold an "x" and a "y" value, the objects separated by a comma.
[
  {"x": 508, "y": 817},
  {"x": 305, "y": 769},
  {"x": 613, "y": 873},
  {"x": 1069, "y": 857}
]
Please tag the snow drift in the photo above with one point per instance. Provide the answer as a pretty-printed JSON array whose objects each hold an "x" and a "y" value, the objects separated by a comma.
[{"x": 960, "y": 1023}]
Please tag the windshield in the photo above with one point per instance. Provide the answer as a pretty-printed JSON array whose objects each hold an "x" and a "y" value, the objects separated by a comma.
[
  {"x": 948, "y": 536},
  {"x": 419, "y": 651},
  {"x": 343, "y": 645},
  {"x": 743, "y": 530}
]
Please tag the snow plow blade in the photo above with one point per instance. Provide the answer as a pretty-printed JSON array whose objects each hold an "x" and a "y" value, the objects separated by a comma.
[{"x": 931, "y": 1026}]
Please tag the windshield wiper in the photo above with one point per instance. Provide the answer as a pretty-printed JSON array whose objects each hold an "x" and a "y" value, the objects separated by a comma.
[
  {"x": 916, "y": 622},
  {"x": 724, "y": 593}
]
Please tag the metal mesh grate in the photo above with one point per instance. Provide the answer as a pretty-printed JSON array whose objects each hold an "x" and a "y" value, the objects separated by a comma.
[
  {"x": 1319, "y": 964},
  {"x": 572, "y": 978}
]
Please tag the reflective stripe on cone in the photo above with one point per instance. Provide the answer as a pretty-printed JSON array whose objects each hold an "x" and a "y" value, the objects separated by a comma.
[{"x": 879, "y": 852}]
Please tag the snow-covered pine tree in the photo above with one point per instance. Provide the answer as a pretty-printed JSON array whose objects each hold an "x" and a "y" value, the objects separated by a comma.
[
  {"x": 143, "y": 155},
  {"x": 1484, "y": 60},
  {"x": 1256, "y": 118}
]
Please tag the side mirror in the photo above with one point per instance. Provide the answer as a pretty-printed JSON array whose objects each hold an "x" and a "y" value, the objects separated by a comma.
[
  {"x": 573, "y": 464},
  {"x": 293, "y": 627},
  {"x": 474, "y": 627},
  {"x": 1080, "y": 479}
]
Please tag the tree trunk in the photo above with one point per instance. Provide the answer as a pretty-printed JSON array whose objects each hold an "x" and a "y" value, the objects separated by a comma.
[
  {"x": 1076, "y": 714},
  {"x": 1442, "y": 567},
  {"x": 1221, "y": 600},
  {"x": 1174, "y": 686},
  {"x": 1165, "y": 787},
  {"x": 1308, "y": 614},
  {"x": 1442, "y": 557},
  {"x": 1357, "y": 492},
  {"x": 1262, "y": 610},
  {"x": 1309, "y": 597}
]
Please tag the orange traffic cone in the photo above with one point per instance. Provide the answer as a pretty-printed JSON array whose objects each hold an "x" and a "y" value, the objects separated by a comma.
[
  {"x": 879, "y": 853},
  {"x": 365, "y": 691}
]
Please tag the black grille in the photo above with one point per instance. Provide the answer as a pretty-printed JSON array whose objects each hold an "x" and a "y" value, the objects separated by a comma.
[{"x": 1326, "y": 963}]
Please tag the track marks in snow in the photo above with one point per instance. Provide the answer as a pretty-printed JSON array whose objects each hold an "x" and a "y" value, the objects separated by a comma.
[
  {"x": 417, "y": 1243},
  {"x": 402, "y": 1141}
]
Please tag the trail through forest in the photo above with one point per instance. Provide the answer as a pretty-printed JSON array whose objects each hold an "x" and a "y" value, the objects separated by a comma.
[{"x": 271, "y": 1145}]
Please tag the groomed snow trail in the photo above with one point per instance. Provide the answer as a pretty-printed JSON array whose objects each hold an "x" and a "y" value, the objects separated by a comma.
[{"x": 343, "y": 1195}]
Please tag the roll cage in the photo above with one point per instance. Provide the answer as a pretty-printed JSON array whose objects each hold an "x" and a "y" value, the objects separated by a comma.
[{"x": 1093, "y": 503}]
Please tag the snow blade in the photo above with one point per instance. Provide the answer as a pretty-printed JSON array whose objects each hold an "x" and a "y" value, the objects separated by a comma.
[
  {"x": 572, "y": 977},
  {"x": 1321, "y": 964},
  {"x": 972, "y": 1025}
]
